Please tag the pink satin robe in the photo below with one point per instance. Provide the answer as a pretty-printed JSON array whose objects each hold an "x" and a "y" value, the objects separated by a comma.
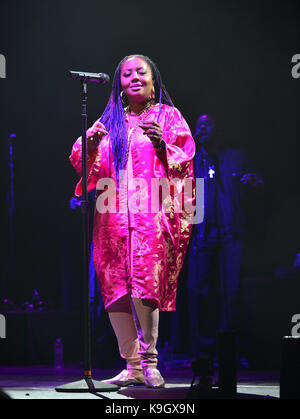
[{"x": 139, "y": 252}]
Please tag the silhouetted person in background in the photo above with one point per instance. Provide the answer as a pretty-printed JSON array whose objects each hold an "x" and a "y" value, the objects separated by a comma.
[{"x": 216, "y": 246}]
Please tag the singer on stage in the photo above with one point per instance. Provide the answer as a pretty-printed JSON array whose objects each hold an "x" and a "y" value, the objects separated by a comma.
[{"x": 138, "y": 253}]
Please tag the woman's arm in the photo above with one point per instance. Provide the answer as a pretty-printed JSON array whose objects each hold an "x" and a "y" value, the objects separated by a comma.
[{"x": 94, "y": 136}]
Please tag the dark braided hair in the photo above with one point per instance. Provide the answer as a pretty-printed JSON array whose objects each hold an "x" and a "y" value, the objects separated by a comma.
[{"x": 113, "y": 115}]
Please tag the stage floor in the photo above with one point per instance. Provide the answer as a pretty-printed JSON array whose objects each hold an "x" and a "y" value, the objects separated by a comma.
[{"x": 39, "y": 382}]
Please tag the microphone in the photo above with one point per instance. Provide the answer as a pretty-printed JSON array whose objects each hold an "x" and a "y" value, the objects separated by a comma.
[{"x": 100, "y": 78}]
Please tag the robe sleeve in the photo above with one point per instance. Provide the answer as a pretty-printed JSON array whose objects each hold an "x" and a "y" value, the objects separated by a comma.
[
  {"x": 76, "y": 161},
  {"x": 178, "y": 153},
  {"x": 175, "y": 161}
]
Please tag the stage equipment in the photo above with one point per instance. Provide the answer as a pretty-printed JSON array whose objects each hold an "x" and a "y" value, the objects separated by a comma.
[
  {"x": 290, "y": 368},
  {"x": 8, "y": 280},
  {"x": 227, "y": 364},
  {"x": 203, "y": 367},
  {"x": 35, "y": 303},
  {"x": 100, "y": 78},
  {"x": 87, "y": 384}
]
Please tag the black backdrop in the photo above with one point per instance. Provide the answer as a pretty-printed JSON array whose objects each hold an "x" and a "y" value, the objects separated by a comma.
[{"x": 232, "y": 59}]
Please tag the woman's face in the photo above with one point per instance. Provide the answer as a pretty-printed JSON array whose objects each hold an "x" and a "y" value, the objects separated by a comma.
[{"x": 136, "y": 80}]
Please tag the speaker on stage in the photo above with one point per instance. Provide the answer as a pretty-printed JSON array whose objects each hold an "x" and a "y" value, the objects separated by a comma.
[
  {"x": 290, "y": 368},
  {"x": 227, "y": 364}
]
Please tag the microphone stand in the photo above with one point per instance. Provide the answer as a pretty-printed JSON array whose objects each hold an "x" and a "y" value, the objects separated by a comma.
[
  {"x": 87, "y": 384},
  {"x": 9, "y": 271}
]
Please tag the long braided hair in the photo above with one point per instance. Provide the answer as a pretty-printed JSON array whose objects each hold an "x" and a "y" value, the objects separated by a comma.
[{"x": 113, "y": 115}]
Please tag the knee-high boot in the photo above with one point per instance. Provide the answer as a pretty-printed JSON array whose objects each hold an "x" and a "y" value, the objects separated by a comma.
[
  {"x": 146, "y": 316},
  {"x": 122, "y": 321}
]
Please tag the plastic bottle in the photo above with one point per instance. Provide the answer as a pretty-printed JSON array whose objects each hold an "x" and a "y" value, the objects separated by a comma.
[{"x": 58, "y": 354}]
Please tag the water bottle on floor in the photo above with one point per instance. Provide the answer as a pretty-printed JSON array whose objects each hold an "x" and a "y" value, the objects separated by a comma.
[{"x": 58, "y": 354}]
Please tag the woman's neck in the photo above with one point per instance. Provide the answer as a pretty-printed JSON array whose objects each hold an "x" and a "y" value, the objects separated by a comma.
[{"x": 137, "y": 108}]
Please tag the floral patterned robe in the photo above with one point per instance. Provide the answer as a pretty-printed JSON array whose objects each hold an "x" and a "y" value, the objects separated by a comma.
[{"x": 140, "y": 251}]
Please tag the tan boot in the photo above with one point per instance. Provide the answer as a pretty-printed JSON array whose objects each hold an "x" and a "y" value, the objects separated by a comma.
[
  {"x": 146, "y": 321},
  {"x": 122, "y": 321},
  {"x": 127, "y": 378},
  {"x": 153, "y": 378}
]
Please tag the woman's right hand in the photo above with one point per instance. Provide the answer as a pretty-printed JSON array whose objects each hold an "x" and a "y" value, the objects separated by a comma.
[{"x": 94, "y": 136}]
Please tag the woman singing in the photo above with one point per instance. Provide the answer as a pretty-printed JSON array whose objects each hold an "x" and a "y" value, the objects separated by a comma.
[{"x": 141, "y": 138}]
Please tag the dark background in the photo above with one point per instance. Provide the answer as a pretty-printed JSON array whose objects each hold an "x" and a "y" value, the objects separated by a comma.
[{"x": 231, "y": 59}]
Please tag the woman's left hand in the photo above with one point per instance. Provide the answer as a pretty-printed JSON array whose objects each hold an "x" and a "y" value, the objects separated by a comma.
[{"x": 154, "y": 131}]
